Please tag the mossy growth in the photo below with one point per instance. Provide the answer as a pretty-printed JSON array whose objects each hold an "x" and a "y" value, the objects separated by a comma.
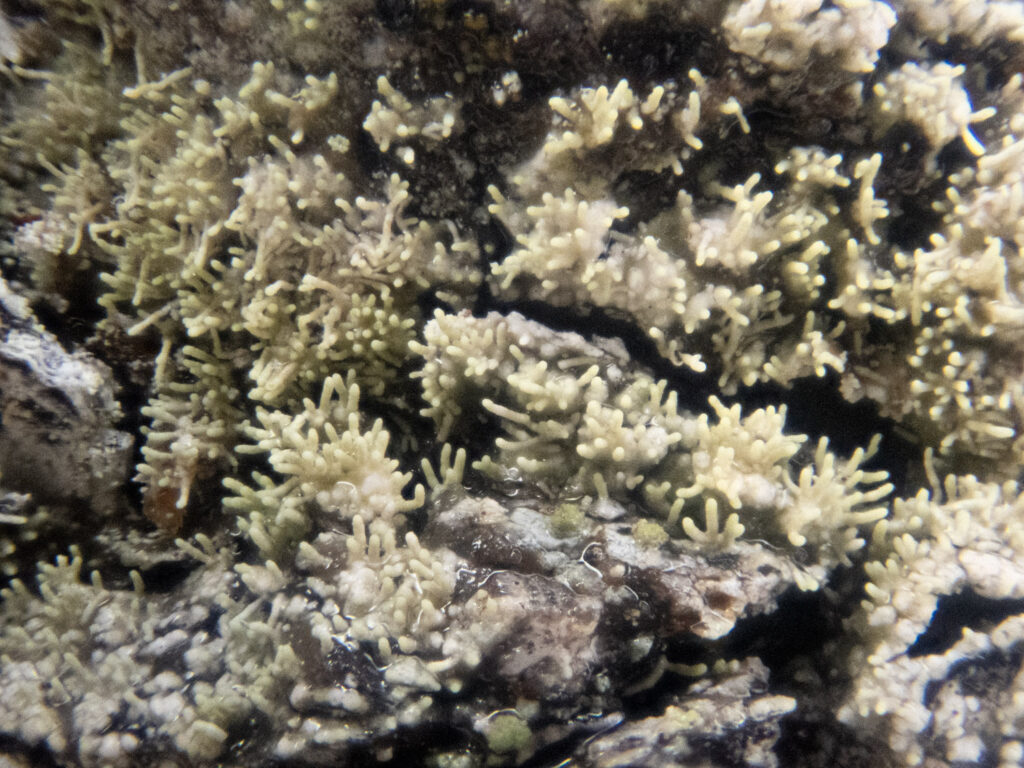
[
  {"x": 648, "y": 533},
  {"x": 508, "y": 734},
  {"x": 566, "y": 520}
]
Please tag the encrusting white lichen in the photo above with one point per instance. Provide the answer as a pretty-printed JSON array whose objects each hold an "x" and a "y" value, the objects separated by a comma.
[{"x": 965, "y": 534}]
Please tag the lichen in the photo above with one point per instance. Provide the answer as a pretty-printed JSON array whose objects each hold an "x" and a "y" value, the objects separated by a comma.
[{"x": 600, "y": 382}]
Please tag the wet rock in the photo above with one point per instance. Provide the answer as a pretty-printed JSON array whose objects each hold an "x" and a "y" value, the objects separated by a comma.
[
  {"x": 58, "y": 439},
  {"x": 670, "y": 589},
  {"x": 727, "y": 721}
]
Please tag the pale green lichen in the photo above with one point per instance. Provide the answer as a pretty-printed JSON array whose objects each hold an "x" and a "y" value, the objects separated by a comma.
[
  {"x": 649, "y": 533},
  {"x": 566, "y": 520},
  {"x": 506, "y": 732}
]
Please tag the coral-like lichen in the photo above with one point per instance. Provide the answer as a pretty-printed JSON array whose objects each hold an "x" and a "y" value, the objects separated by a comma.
[{"x": 615, "y": 383}]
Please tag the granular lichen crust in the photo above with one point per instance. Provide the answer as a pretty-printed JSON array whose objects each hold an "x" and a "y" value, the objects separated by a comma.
[{"x": 569, "y": 382}]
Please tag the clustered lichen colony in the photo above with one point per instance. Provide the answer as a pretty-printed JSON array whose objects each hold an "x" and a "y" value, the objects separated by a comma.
[{"x": 294, "y": 233}]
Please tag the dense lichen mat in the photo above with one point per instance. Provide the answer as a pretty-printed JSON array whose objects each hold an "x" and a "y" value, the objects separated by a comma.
[{"x": 538, "y": 382}]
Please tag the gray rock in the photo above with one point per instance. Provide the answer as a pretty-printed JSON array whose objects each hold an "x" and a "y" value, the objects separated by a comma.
[
  {"x": 58, "y": 439},
  {"x": 721, "y": 722}
]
